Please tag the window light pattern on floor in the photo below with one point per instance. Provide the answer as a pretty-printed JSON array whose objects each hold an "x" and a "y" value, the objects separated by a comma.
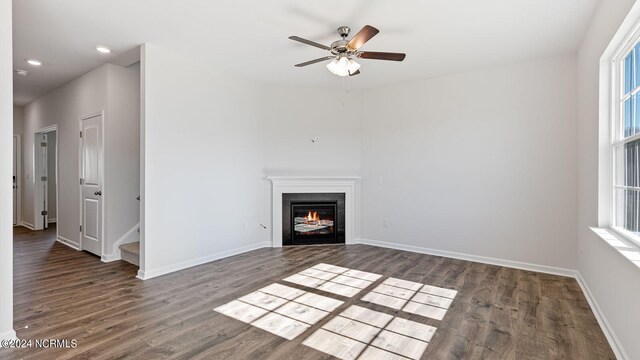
[
  {"x": 334, "y": 279},
  {"x": 280, "y": 310},
  {"x": 425, "y": 300},
  {"x": 361, "y": 333}
]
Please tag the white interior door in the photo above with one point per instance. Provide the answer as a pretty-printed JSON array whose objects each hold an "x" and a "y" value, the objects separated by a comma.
[
  {"x": 91, "y": 172},
  {"x": 15, "y": 180}
]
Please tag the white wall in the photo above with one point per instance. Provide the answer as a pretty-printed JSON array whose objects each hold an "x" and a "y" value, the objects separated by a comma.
[
  {"x": 64, "y": 107},
  {"x": 6, "y": 153},
  {"x": 612, "y": 279},
  {"x": 514, "y": 147},
  {"x": 292, "y": 116},
  {"x": 482, "y": 163},
  {"x": 122, "y": 156},
  {"x": 202, "y": 181},
  {"x": 18, "y": 120}
]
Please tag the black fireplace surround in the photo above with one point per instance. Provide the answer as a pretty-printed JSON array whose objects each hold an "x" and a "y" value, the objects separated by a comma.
[{"x": 313, "y": 218}]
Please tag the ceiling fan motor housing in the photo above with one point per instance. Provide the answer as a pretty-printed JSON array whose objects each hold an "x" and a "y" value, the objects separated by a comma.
[{"x": 338, "y": 47}]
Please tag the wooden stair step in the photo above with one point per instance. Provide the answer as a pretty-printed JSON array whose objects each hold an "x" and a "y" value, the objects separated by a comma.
[
  {"x": 133, "y": 247},
  {"x": 130, "y": 253}
]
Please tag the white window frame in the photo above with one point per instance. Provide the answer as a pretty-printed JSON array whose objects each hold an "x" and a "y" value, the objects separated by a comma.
[{"x": 616, "y": 127}]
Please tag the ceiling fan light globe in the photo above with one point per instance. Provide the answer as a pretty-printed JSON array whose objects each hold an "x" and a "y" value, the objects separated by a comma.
[
  {"x": 339, "y": 66},
  {"x": 343, "y": 66},
  {"x": 333, "y": 66},
  {"x": 343, "y": 71},
  {"x": 353, "y": 66}
]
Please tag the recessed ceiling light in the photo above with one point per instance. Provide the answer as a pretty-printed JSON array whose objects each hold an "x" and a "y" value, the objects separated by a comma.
[
  {"x": 103, "y": 49},
  {"x": 34, "y": 62}
]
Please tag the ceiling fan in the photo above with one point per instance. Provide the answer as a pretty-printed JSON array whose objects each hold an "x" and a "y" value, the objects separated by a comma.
[{"x": 343, "y": 51}]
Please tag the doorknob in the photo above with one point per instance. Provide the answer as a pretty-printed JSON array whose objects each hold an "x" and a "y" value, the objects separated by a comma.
[{"x": 99, "y": 193}]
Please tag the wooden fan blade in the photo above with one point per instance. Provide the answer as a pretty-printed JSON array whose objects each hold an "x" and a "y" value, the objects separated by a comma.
[
  {"x": 309, "y": 42},
  {"x": 365, "y": 34},
  {"x": 382, "y": 55},
  {"x": 355, "y": 73},
  {"x": 315, "y": 61}
]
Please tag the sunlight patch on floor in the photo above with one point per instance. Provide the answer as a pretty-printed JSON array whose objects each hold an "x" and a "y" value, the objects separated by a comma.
[
  {"x": 361, "y": 333},
  {"x": 334, "y": 279},
  {"x": 280, "y": 310},
  {"x": 415, "y": 298},
  {"x": 355, "y": 333}
]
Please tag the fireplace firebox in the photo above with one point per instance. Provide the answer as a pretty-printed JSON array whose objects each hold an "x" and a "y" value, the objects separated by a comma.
[
  {"x": 313, "y": 222},
  {"x": 316, "y": 218}
]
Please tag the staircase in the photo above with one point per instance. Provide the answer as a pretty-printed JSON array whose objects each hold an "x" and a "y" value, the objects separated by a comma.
[{"x": 130, "y": 253}]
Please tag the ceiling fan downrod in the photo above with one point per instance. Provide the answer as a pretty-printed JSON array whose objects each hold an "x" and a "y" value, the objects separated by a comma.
[{"x": 344, "y": 31}]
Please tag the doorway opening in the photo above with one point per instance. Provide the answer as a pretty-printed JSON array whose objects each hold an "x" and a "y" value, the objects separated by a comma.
[
  {"x": 17, "y": 180},
  {"x": 45, "y": 152}
]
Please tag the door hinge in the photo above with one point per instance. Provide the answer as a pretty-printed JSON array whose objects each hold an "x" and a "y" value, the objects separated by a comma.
[
  {"x": 43, "y": 144},
  {"x": 81, "y": 181},
  {"x": 80, "y": 228},
  {"x": 43, "y": 178},
  {"x": 44, "y": 212},
  {"x": 80, "y": 133}
]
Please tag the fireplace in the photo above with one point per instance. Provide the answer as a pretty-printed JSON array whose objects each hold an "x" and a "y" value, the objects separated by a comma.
[
  {"x": 314, "y": 218},
  {"x": 302, "y": 188}
]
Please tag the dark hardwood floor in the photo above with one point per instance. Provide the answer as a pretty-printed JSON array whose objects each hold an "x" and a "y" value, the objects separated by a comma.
[{"x": 498, "y": 313}]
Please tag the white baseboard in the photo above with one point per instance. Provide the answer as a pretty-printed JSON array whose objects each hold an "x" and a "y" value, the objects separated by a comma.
[
  {"x": 475, "y": 258},
  {"x": 8, "y": 335},
  {"x": 72, "y": 244},
  {"x": 615, "y": 344},
  {"x": 27, "y": 225},
  {"x": 110, "y": 257},
  {"x": 148, "y": 274},
  {"x": 131, "y": 236}
]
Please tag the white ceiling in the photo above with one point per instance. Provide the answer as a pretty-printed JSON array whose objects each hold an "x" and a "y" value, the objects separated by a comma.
[{"x": 250, "y": 37}]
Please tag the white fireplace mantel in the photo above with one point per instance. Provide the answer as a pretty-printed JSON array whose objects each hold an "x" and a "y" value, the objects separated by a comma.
[{"x": 314, "y": 184}]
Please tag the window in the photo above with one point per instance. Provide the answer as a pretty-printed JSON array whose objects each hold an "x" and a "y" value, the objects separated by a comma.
[{"x": 626, "y": 142}]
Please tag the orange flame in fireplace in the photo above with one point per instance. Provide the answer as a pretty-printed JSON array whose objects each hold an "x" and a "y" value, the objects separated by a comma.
[{"x": 313, "y": 216}]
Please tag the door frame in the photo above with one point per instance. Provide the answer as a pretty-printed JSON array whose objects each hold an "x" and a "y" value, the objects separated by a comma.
[
  {"x": 18, "y": 155},
  {"x": 38, "y": 195},
  {"x": 104, "y": 187}
]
